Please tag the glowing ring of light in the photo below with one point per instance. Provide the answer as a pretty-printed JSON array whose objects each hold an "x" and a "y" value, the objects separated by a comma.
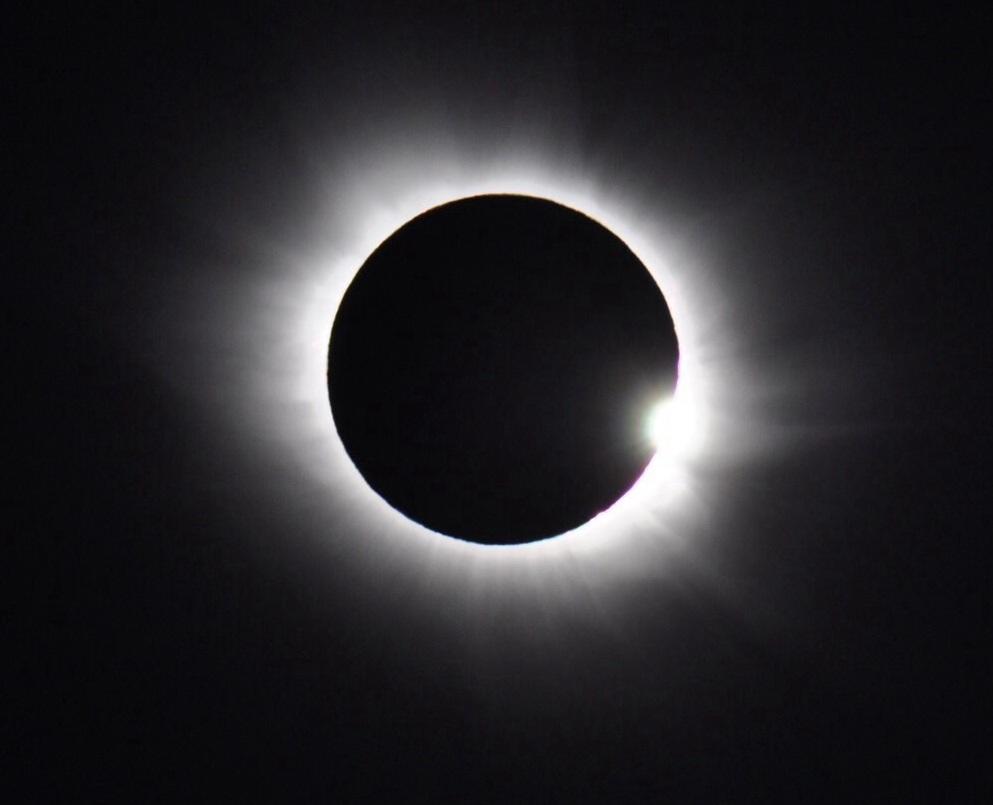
[
  {"x": 664, "y": 475},
  {"x": 294, "y": 307}
]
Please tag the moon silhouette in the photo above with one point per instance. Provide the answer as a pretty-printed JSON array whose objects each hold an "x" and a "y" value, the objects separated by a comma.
[{"x": 492, "y": 364}]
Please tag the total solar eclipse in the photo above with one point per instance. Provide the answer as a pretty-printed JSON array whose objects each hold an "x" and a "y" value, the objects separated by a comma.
[{"x": 493, "y": 366}]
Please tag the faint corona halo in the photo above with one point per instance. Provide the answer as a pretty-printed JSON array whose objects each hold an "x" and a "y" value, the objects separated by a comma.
[{"x": 498, "y": 369}]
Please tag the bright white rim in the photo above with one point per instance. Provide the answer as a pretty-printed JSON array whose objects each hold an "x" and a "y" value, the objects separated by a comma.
[{"x": 270, "y": 335}]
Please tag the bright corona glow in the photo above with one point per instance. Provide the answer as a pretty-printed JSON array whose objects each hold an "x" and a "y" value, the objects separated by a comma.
[
  {"x": 666, "y": 478},
  {"x": 660, "y": 428},
  {"x": 673, "y": 428},
  {"x": 270, "y": 338}
]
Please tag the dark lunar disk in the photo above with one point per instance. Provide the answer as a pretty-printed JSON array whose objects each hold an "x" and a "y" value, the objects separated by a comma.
[{"x": 492, "y": 365}]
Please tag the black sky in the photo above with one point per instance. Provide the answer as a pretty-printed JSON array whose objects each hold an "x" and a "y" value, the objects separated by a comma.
[{"x": 170, "y": 636}]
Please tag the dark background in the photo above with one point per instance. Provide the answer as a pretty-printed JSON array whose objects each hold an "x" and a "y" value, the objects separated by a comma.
[{"x": 154, "y": 657}]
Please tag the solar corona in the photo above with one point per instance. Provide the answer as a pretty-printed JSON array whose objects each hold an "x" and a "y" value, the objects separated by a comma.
[{"x": 663, "y": 426}]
